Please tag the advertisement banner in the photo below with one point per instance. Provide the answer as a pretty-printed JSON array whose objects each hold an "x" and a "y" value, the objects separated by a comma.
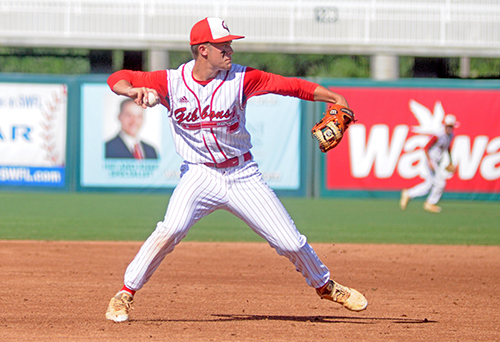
[
  {"x": 33, "y": 134},
  {"x": 277, "y": 152},
  {"x": 106, "y": 162},
  {"x": 384, "y": 149}
]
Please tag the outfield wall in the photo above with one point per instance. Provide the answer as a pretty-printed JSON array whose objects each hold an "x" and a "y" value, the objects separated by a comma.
[
  {"x": 54, "y": 129},
  {"x": 384, "y": 150}
]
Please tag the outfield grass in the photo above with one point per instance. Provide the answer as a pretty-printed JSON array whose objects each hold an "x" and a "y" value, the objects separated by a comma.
[{"x": 123, "y": 217}]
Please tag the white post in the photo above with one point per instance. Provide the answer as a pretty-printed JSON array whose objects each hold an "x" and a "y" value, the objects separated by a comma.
[
  {"x": 158, "y": 60},
  {"x": 464, "y": 67},
  {"x": 384, "y": 67}
]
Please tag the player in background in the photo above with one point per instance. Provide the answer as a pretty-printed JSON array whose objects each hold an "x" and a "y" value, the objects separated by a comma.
[
  {"x": 206, "y": 100},
  {"x": 434, "y": 184}
]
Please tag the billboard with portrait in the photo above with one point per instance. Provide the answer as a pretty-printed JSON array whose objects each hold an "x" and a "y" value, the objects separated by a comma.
[
  {"x": 109, "y": 122},
  {"x": 105, "y": 133},
  {"x": 33, "y": 123}
]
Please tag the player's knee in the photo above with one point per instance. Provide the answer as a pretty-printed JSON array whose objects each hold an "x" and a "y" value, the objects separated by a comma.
[
  {"x": 169, "y": 232},
  {"x": 292, "y": 246},
  {"x": 161, "y": 228}
]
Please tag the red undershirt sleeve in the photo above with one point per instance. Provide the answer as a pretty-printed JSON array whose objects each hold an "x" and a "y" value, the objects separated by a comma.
[
  {"x": 259, "y": 82},
  {"x": 154, "y": 79},
  {"x": 431, "y": 142}
]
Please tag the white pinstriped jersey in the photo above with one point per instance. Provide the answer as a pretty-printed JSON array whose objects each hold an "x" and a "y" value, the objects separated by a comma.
[
  {"x": 208, "y": 122},
  {"x": 440, "y": 145}
]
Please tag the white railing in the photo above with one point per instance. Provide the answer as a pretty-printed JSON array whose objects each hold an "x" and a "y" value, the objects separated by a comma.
[{"x": 431, "y": 27}]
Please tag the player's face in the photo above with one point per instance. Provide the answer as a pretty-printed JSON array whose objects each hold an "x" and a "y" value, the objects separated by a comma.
[
  {"x": 449, "y": 129},
  {"x": 131, "y": 119},
  {"x": 220, "y": 55}
]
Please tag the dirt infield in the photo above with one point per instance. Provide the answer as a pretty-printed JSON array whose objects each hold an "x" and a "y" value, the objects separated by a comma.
[{"x": 59, "y": 291}]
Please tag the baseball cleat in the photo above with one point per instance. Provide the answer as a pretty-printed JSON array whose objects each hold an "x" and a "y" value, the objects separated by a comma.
[
  {"x": 349, "y": 298},
  {"x": 431, "y": 208},
  {"x": 403, "y": 202},
  {"x": 119, "y": 306}
]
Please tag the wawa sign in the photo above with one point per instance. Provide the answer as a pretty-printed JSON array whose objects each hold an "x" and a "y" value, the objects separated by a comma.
[{"x": 384, "y": 149}]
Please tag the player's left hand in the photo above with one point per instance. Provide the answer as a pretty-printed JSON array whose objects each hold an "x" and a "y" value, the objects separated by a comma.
[{"x": 451, "y": 168}]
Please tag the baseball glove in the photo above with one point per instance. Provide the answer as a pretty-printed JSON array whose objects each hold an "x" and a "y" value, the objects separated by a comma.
[{"x": 330, "y": 130}]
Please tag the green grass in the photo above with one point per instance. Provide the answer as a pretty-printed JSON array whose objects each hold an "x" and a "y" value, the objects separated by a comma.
[{"x": 110, "y": 216}]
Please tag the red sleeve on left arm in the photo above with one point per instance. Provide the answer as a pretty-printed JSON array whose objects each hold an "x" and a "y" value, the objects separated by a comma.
[
  {"x": 431, "y": 142},
  {"x": 126, "y": 75},
  {"x": 154, "y": 79},
  {"x": 259, "y": 82}
]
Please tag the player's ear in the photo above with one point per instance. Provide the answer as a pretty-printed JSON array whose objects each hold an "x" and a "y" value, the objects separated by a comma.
[{"x": 203, "y": 49}]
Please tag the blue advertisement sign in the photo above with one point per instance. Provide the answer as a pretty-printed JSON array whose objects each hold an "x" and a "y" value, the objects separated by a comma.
[
  {"x": 33, "y": 134},
  {"x": 32, "y": 176}
]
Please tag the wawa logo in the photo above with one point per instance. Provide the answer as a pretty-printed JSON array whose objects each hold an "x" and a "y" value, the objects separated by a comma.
[{"x": 403, "y": 154}]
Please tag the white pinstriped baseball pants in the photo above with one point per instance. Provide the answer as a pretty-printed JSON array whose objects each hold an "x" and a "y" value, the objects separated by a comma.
[
  {"x": 241, "y": 191},
  {"x": 433, "y": 185}
]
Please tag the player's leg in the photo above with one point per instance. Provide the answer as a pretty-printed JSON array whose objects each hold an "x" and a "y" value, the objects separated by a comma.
[
  {"x": 438, "y": 185},
  {"x": 251, "y": 199},
  {"x": 194, "y": 197},
  {"x": 436, "y": 191},
  {"x": 421, "y": 189}
]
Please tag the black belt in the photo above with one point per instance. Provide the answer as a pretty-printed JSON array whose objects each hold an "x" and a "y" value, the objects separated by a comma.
[{"x": 230, "y": 162}]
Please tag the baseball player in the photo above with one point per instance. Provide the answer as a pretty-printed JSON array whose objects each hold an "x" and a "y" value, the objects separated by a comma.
[
  {"x": 205, "y": 99},
  {"x": 435, "y": 182}
]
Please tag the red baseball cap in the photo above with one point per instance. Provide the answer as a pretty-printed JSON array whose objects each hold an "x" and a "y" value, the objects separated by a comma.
[{"x": 211, "y": 30}]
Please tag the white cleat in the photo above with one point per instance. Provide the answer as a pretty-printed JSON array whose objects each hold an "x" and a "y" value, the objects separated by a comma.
[
  {"x": 403, "y": 202},
  {"x": 119, "y": 307},
  {"x": 432, "y": 208},
  {"x": 349, "y": 298}
]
